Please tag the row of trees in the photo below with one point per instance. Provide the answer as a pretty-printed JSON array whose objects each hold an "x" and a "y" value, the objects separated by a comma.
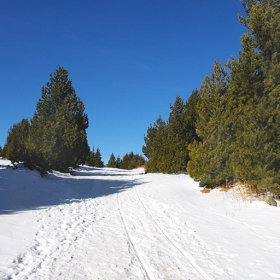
[
  {"x": 233, "y": 130},
  {"x": 129, "y": 161},
  {"x": 166, "y": 143},
  {"x": 95, "y": 158}
]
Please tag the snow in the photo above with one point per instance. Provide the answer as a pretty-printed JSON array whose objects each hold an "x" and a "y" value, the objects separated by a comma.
[{"x": 105, "y": 223}]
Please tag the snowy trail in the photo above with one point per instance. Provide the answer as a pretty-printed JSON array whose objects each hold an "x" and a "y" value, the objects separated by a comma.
[
  {"x": 176, "y": 245},
  {"x": 157, "y": 253},
  {"x": 116, "y": 224},
  {"x": 132, "y": 243}
]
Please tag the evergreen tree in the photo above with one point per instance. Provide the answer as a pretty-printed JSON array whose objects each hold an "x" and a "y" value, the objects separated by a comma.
[
  {"x": 95, "y": 158},
  {"x": 262, "y": 22},
  {"x": 15, "y": 147},
  {"x": 177, "y": 130},
  {"x": 118, "y": 162},
  {"x": 91, "y": 158},
  {"x": 112, "y": 161},
  {"x": 246, "y": 86},
  {"x": 149, "y": 147},
  {"x": 57, "y": 138},
  {"x": 98, "y": 159},
  {"x": 255, "y": 98},
  {"x": 191, "y": 119},
  {"x": 156, "y": 147},
  {"x": 1, "y": 151},
  {"x": 210, "y": 157}
]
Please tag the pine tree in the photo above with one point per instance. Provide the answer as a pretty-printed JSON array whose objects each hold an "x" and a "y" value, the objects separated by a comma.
[
  {"x": 91, "y": 158},
  {"x": 262, "y": 22},
  {"x": 112, "y": 161},
  {"x": 246, "y": 86},
  {"x": 15, "y": 147},
  {"x": 191, "y": 116},
  {"x": 156, "y": 147},
  {"x": 57, "y": 138},
  {"x": 1, "y": 151},
  {"x": 210, "y": 156},
  {"x": 118, "y": 162},
  {"x": 177, "y": 130},
  {"x": 98, "y": 159},
  {"x": 255, "y": 97},
  {"x": 176, "y": 152},
  {"x": 149, "y": 147}
]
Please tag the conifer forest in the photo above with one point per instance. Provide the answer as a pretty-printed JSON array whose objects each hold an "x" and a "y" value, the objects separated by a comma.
[{"x": 228, "y": 129}]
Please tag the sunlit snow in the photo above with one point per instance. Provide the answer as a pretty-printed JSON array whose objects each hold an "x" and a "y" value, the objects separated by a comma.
[{"x": 116, "y": 224}]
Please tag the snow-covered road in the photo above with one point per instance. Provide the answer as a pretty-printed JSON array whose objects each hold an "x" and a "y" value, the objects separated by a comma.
[{"x": 116, "y": 224}]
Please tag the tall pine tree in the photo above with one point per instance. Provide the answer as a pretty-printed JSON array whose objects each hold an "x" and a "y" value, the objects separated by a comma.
[
  {"x": 98, "y": 159},
  {"x": 210, "y": 155},
  {"x": 112, "y": 161},
  {"x": 255, "y": 97},
  {"x": 177, "y": 154},
  {"x": 156, "y": 148},
  {"x": 57, "y": 138}
]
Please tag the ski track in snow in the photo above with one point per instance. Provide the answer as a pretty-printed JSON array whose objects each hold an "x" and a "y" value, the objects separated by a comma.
[
  {"x": 176, "y": 245},
  {"x": 155, "y": 250},
  {"x": 223, "y": 249},
  {"x": 184, "y": 239},
  {"x": 141, "y": 259},
  {"x": 139, "y": 228}
]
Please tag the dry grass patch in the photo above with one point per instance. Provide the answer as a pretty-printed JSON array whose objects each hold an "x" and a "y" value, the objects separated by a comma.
[
  {"x": 206, "y": 190},
  {"x": 224, "y": 189}
]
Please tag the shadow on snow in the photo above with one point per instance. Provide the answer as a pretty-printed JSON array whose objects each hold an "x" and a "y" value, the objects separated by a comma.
[{"x": 23, "y": 189}]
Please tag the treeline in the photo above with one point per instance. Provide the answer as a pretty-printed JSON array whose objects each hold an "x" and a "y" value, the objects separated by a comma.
[
  {"x": 166, "y": 142},
  {"x": 56, "y": 138},
  {"x": 229, "y": 128},
  {"x": 95, "y": 158},
  {"x": 129, "y": 161}
]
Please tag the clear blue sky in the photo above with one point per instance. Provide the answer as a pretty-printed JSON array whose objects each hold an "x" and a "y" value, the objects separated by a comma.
[{"x": 128, "y": 59}]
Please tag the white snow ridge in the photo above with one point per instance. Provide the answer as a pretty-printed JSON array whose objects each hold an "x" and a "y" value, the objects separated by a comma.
[{"x": 116, "y": 224}]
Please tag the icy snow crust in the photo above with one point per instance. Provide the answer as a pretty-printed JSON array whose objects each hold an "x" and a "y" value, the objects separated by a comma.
[{"x": 116, "y": 224}]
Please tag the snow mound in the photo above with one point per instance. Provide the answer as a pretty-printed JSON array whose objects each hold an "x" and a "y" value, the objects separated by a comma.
[{"x": 4, "y": 162}]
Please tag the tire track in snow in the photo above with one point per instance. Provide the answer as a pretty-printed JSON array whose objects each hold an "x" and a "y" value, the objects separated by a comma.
[
  {"x": 141, "y": 259},
  {"x": 189, "y": 258}
]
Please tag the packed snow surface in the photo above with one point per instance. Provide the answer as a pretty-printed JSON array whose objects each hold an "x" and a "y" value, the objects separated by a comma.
[{"x": 116, "y": 224}]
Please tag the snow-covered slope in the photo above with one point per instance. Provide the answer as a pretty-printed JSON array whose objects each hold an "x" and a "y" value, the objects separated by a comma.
[{"x": 115, "y": 224}]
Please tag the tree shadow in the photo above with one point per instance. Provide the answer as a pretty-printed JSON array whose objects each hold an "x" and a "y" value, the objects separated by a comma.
[{"x": 25, "y": 190}]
